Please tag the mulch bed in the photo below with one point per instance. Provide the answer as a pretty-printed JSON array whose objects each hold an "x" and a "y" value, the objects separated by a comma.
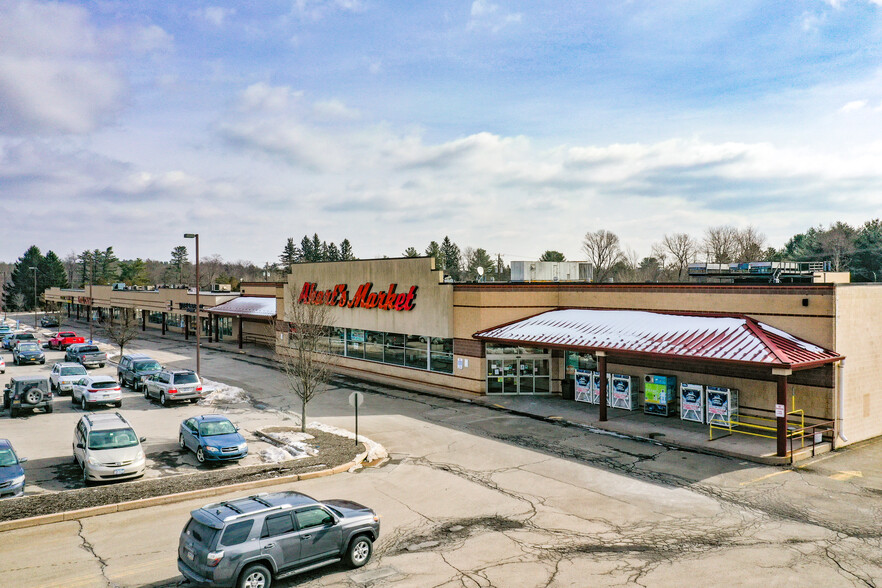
[{"x": 333, "y": 450}]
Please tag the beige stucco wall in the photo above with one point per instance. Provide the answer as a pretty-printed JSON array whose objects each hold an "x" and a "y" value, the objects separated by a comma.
[
  {"x": 432, "y": 313},
  {"x": 859, "y": 338},
  {"x": 153, "y": 300}
]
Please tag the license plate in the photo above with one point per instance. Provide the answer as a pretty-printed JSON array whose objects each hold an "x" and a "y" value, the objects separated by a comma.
[
  {"x": 190, "y": 555},
  {"x": 119, "y": 470},
  {"x": 105, "y": 396}
]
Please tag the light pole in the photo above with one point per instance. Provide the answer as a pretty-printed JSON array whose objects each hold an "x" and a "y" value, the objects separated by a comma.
[
  {"x": 35, "y": 296},
  {"x": 198, "y": 314}
]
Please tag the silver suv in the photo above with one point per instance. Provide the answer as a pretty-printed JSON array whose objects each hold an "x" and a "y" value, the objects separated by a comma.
[
  {"x": 250, "y": 541},
  {"x": 106, "y": 447},
  {"x": 173, "y": 385}
]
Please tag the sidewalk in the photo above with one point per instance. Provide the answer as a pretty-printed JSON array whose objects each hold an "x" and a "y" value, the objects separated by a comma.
[{"x": 670, "y": 432}]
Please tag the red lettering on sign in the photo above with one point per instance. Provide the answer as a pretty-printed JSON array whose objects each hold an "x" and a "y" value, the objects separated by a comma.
[{"x": 364, "y": 297}]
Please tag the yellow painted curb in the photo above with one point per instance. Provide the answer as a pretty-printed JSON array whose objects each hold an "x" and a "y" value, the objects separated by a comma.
[{"x": 165, "y": 499}]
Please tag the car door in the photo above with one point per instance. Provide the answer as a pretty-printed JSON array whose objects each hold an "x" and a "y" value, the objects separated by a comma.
[
  {"x": 79, "y": 439},
  {"x": 320, "y": 535},
  {"x": 280, "y": 540},
  {"x": 76, "y": 391},
  {"x": 53, "y": 376},
  {"x": 189, "y": 433}
]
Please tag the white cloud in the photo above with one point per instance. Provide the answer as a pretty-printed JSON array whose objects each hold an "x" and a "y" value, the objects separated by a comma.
[
  {"x": 853, "y": 106},
  {"x": 487, "y": 15},
  {"x": 262, "y": 97},
  {"x": 317, "y": 9},
  {"x": 149, "y": 39},
  {"x": 216, "y": 15},
  {"x": 53, "y": 74},
  {"x": 334, "y": 110}
]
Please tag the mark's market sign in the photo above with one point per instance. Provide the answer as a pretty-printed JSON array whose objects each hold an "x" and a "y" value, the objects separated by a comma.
[{"x": 363, "y": 298}]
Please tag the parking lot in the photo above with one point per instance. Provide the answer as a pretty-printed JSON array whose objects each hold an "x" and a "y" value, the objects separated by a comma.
[{"x": 46, "y": 439}]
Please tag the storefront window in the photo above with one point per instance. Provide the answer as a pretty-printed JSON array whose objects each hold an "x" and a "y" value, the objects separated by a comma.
[
  {"x": 155, "y": 318},
  {"x": 373, "y": 345},
  {"x": 528, "y": 371},
  {"x": 225, "y": 326},
  {"x": 355, "y": 343},
  {"x": 394, "y": 349},
  {"x": 416, "y": 354},
  {"x": 441, "y": 355},
  {"x": 336, "y": 342}
]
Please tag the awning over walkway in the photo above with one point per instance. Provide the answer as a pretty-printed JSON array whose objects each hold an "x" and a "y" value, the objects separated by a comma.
[
  {"x": 247, "y": 306},
  {"x": 737, "y": 338}
]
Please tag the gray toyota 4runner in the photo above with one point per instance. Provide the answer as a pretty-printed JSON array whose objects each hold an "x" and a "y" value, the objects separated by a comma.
[{"x": 249, "y": 542}]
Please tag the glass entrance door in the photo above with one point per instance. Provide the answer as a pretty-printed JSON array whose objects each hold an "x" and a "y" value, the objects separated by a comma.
[{"x": 526, "y": 374}]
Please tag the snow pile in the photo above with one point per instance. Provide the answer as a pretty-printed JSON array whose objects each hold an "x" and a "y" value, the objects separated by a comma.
[
  {"x": 222, "y": 394},
  {"x": 374, "y": 451},
  {"x": 293, "y": 442},
  {"x": 273, "y": 454}
]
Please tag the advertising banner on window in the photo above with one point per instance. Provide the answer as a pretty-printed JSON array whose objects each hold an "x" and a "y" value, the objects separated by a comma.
[{"x": 584, "y": 380}]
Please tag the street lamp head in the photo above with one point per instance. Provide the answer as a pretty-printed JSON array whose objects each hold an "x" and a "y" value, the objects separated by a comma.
[{"x": 190, "y": 235}]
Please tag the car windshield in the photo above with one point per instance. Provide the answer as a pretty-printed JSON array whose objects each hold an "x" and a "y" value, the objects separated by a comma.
[
  {"x": 216, "y": 428},
  {"x": 73, "y": 371},
  {"x": 112, "y": 439},
  {"x": 7, "y": 458},
  {"x": 146, "y": 366},
  {"x": 87, "y": 349},
  {"x": 66, "y": 335},
  {"x": 24, "y": 336},
  {"x": 28, "y": 347},
  {"x": 186, "y": 379},
  {"x": 104, "y": 385}
]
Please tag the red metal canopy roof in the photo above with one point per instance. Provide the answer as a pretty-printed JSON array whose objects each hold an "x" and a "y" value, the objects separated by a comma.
[{"x": 735, "y": 338}]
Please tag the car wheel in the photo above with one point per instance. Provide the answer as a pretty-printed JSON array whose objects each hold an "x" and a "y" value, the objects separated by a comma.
[
  {"x": 101, "y": 365},
  {"x": 33, "y": 396},
  {"x": 73, "y": 399},
  {"x": 86, "y": 480},
  {"x": 118, "y": 404},
  {"x": 49, "y": 409},
  {"x": 52, "y": 386},
  {"x": 13, "y": 412},
  {"x": 359, "y": 551},
  {"x": 256, "y": 576},
  {"x": 42, "y": 362},
  {"x": 83, "y": 404},
  {"x": 181, "y": 442},
  {"x": 162, "y": 399},
  {"x": 200, "y": 455},
  {"x": 146, "y": 393}
]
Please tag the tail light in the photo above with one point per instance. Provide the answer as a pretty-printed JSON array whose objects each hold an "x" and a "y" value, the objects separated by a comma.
[
  {"x": 172, "y": 391},
  {"x": 199, "y": 388},
  {"x": 213, "y": 558}
]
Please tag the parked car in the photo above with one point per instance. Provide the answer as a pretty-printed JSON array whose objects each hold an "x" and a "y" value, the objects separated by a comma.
[
  {"x": 2, "y": 366},
  {"x": 63, "y": 376},
  {"x": 11, "y": 340},
  {"x": 174, "y": 385},
  {"x": 255, "y": 540},
  {"x": 27, "y": 352},
  {"x": 212, "y": 437},
  {"x": 64, "y": 339},
  {"x": 133, "y": 370},
  {"x": 5, "y": 330},
  {"x": 92, "y": 390},
  {"x": 85, "y": 354},
  {"x": 12, "y": 475},
  {"x": 106, "y": 447},
  {"x": 48, "y": 321},
  {"x": 27, "y": 393}
]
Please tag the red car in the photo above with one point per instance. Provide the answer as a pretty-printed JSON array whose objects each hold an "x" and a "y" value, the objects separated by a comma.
[{"x": 64, "y": 339}]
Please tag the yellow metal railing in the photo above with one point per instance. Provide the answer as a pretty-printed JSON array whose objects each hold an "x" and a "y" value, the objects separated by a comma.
[{"x": 738, "y": 425}]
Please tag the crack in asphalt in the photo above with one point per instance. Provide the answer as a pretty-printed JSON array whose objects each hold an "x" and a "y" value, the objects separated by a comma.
[{"x": 87, "y": 546}]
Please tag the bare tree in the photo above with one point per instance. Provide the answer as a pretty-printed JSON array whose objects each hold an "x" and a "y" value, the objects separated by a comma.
[
  {"x": 53, "y": 310},
  {"x": 603, "y": 251},
  {"x": 122, "y": 331},
  {"x": 681, "y": 248},
  {"x": 16, "y": 302},
  {"x": 305, "y": 360},
  {"x": 750, "y": 245},
  {"x": 837, "y": 244},
  {"x": 720, "y": 244}
]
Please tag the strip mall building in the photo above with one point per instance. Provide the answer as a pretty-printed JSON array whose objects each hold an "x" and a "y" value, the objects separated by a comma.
[{"x": 700, "y": 352}]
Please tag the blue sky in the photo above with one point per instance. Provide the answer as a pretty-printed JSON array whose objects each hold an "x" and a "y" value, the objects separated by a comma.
[{"x": 512, "y": 126}]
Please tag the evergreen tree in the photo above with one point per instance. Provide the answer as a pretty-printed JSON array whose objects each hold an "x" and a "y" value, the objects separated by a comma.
[
  {"x": 479, "y": 258},
  {"x": 51, "y": 272},
  {"x": 333, "y": 253},
  {"x": 867, "y": 260},
  {"x": 411, "y": 252},
  {"x": 326, "y": 254},
  {"x": 552, "y": 255},
  {"x": 108, "y": 265},
  {"x": 94, "y": 268},
  {"x": 317, "y": 251},
  {"x": 19, "y": 290},
  {"x": 346, "y": 253},
  {"x": 434, "y": 250},
  {"x": 179, "y": 262},
  {"x": 307, "y": 253},
  {"x": 452, "y": 259},
  {"x": 84, "y": 267},
  {"x": 133, "y": 273},
  {"x": 290, "y": 255}
]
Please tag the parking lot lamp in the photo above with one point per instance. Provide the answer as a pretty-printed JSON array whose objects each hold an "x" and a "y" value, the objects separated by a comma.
[
  {"x": 198, "y": 314},
  {"x": 35, "y": 297}
]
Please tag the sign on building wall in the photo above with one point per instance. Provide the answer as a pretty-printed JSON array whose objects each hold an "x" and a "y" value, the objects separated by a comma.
[{"x": 340, "y": 296}]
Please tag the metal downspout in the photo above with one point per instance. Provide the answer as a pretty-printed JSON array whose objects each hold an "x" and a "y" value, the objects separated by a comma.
[{"x": 840, "y": 399}]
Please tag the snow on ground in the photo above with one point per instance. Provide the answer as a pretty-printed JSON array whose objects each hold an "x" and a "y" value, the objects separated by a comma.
[
  {"x": 273, "y": 454},
  {"x": 374, "y": 451},
  {"x": 222, "y": 394},
  {"x": 294, "y": 443}
]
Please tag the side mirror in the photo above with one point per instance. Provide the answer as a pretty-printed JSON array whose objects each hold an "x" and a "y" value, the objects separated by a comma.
[
  {"x": 22, "y": 459},
  {"x": 80, "y": 446},
  {"x": 142, "y": 439}
]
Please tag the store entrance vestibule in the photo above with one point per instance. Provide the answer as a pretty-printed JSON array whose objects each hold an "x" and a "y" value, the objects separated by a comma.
[{"x": 518, "y": 370}]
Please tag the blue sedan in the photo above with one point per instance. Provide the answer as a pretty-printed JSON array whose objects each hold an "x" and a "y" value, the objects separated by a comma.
[
  {"x": 212, "y": 438},
  {"x": 12, "y": 475}
]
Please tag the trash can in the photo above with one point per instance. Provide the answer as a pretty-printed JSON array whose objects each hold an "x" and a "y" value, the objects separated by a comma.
[{"x": 568, "y": 389}]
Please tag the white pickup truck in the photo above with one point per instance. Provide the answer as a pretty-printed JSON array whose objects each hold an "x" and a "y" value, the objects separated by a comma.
[{"x": 64, "y": 375}]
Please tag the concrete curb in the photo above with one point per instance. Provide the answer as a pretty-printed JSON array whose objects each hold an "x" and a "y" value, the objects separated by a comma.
[{"x": 93, "y": 511}]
